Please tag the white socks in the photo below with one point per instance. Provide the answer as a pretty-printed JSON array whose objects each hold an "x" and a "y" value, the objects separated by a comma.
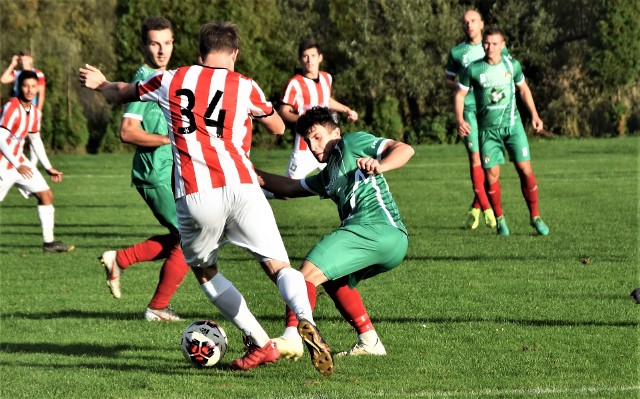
[
  {"x": 369, "y": 337},
  {"x": 46, "y": 215},
  {"x": 293, "y": 290},
  {"x": 226, "y": 297}
]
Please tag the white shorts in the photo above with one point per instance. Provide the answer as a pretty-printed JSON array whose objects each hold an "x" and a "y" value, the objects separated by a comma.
[
  {"x": 239, "y": 214},
  {"x": 11, "y": 177},
  {"x": 302, "y": 163}
]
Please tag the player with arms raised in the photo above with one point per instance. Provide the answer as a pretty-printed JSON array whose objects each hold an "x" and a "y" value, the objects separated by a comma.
[{"x": 210, "y": 109}]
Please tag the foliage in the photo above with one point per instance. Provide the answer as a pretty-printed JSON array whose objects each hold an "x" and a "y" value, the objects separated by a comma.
[{"x": 581, "y": 58}]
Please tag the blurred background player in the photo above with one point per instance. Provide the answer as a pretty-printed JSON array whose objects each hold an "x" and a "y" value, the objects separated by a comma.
[
  {"x": 19, "y": 119},
  {"x": 494, "y": 80},
  {"x": 218, "y": 197},
  {"x": 460, "y": 56},
  {"x": 24, "y": 62},
  {"x": 144, "y": 125},
  {"x": 311, "y": 87},
  {"x": 371, "y": 239}
]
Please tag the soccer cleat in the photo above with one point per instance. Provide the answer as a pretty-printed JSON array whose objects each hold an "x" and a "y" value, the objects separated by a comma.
[
  {"x": 490, "y": 218},
  {"x": 473, "y": 218},
  {"x": 318, "y": 349},
  {"x": 57, "y": 247},
  {"x": 289, "y": 348},
  {"x": 362, "y": 349},
  {"x": 501, "y": 226},
  {"x": 166, "y": 314},
  {"x": 114, "y": 272},
  {"x": 256, "y": 356},
  {"x": 540, "y": 226}
]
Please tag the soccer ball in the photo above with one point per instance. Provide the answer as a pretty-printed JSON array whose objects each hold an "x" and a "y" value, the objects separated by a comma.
[{"x": 203, "y": 343}]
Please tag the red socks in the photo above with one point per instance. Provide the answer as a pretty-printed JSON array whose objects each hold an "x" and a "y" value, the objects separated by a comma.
[
  {"x": 349, "y": 303},
  {"x": 494, "y": 195},
  {"x": 477, "y": 178},
  {"x": 172, "y": 273},
  {"x": 153, "y": 248},
  {"x": 529, "y": 188}
]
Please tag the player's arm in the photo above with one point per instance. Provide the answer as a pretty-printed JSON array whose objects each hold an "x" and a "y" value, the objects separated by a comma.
[
  {"x": 458, "y": 103},
  {"x": 450, "y": 80},
  {"x": 527, "y": 99},
  {"x": 121, "y": 92},
  {"x": 287, "y": 113},
  {"x": 282, "y": 186},
  {"x": 6, "y": 151},
  {"x": 273, "y": 123},
  {"x": 38, "y": 147},
  {"x": 42, "y": 93},
  {"x": 343, "y": 109},
  {"x": 395, "y": 154},
  {"x": 132, "y": 133},
  {"x": 7, "y": 75}
]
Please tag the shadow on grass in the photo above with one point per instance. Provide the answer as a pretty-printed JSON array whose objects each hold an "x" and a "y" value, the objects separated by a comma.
[{"x": 137, "y": 316}]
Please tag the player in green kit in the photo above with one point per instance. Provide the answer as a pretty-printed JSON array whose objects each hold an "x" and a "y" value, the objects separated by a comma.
[
  {"x": 494, "y": 80},
  {"x": 372, "y": 238},
  {"x": 460, "y": 57},
  {"x": 144, "y": 125}
]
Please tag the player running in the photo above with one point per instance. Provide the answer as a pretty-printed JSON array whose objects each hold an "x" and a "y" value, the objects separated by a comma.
[{"x": 210, "y": 110}]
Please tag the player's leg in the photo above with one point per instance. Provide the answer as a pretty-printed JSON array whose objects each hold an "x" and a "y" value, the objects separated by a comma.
[
  {"x": 480, "y": 200},
  {"x": 492, "y": 156},
  {"x": 202, "y": 228},
  {"x": 518, "y": 148}
]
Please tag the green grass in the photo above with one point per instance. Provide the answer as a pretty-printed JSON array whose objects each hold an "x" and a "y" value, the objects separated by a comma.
[{"x": 467, "y": 314}]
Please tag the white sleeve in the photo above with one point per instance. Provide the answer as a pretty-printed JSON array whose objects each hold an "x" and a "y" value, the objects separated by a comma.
[
  {"x": 4, "y": 147},
  {"x": 38, "y": 147}
]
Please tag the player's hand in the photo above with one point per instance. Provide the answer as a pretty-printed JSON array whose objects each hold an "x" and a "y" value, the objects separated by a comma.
[
  {"x": 15, "y": 59},
  {"x": 56, "y": 175},
  {"x": 25, "y": 171},
  {"x": 370, "y": 166},
  {"x": 537, "y": 124},
  {"x": 91, "y": 77},
  {"x": 463, "y": 128},
  {"x": 352, "y": 115}
]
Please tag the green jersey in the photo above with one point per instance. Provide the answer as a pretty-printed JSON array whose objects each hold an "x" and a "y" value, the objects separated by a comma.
[
  {"x": 152, "y": 166},
  {"x": 361, "y": 199},
  {"x": 494, "y": 89},
  {"x": 460, "y": 57}
]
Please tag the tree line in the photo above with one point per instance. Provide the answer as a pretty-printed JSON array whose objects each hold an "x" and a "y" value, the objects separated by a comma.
[{"x": 581, "y": 58}]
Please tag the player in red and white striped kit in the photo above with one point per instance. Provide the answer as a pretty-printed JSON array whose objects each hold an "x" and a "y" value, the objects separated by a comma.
[
  {"x": 210, "y": 109},
  {"x": 305, "y": 90},
  {"x": 21, "y": 118}
]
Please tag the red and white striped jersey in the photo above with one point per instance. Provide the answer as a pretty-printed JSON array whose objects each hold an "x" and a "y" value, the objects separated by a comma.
[
  {"x": 209, "y": 112},
  {"x": 19, "y": 122},
  {"x": 302, "y": 93}
]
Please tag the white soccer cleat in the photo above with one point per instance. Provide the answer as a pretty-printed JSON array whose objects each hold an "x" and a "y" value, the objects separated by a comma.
[
  {"x": 166, "y": 314},
  {"x": 290, "y": 348},
  {"x": 362, "y": 349},
  {"x": 114, "y": 272}
]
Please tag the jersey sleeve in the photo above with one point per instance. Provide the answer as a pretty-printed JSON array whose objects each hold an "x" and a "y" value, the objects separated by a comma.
[
  {"x": 518, "y": 76},
  {"x": 150, "y": 88},
  {"x": 451, "y": 69},
  {"x": 258, "y": 105},
  {"x": 464, "y": 79},
  {"x": 315, "y": 184},
  {"x": 290, "y": 93},
  {"x": 365, "y": 145}
]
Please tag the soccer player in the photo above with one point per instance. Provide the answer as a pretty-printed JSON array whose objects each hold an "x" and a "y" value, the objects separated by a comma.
[
  {"x": 210, "y": 109},
  {"x": 494, "y": 80},
  {"x": 372, "y": 238},
  {"x": 460, "y": 56},
  {"x": 144, "y": 126},
  {"x": 19, "y": 119},
  {"x": 307, "y": 89}
]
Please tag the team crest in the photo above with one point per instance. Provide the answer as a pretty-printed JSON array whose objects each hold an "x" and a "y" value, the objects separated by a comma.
[
  {"x": 496, "y": 95},
  {"x": 486, "y": 160}
]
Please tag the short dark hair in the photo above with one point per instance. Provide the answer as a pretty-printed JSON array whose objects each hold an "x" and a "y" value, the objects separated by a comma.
[
  {"x": 493, "y": 30},
  {"x": 26, "y": 52},
  {"x": 217, "y": 37},
  {"x": 317, "y": 115},
  {"x": 24, "y": 75},
  {"x": 153, "y": 23},
  {"x": 306, "y": 44}
]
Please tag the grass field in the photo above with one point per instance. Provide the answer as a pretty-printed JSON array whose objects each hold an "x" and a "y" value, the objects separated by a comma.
[{"x": 467, "y": 314}]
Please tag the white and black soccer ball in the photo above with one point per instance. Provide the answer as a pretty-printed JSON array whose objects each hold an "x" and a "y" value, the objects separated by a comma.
[{"x": 203, "y": 343}]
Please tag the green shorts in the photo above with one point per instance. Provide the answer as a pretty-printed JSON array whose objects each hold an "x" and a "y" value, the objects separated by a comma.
[
  {"x": 495, "y": 141},
  {"x": 162, "y": 203},
  {"x": 471, "y": 141},
  {"x": 359, "y": 251}
]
